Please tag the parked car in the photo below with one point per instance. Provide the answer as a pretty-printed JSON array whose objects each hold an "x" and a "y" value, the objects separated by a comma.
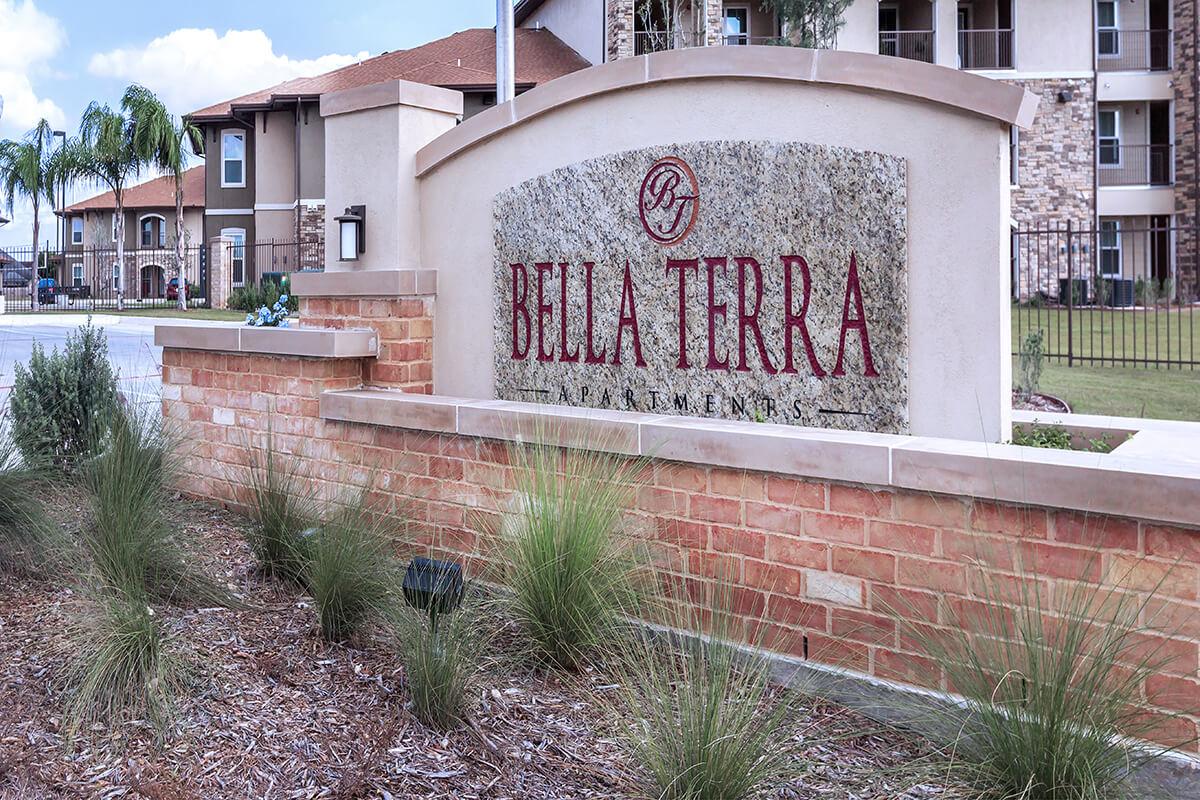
[
  {"x": 173, "y": 289},
  {"x": 47, "y": 290},
  {"x": 15, "y": 276}
]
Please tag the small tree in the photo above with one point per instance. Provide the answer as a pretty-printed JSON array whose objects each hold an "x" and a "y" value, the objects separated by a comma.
[
  {"x": 26, "y": 171},
  {"x": 1032, "y": 354},
  {"x": 810, "y": 23}
]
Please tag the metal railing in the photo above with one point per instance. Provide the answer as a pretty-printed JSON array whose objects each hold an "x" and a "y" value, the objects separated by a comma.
[
  {"x": 914, "y": 45},
  {"x": 985, "y": 49},
  {"x": 1135, "y": 164},
  {"x": 1121, "y": 50},
  {"x": 1118, "y": 295},
  {"x": 656, "y": 41},
  {"x": 249, "y": 264}
]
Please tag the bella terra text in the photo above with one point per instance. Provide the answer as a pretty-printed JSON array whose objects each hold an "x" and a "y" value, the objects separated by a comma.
[{"x": 540, "y": 312}]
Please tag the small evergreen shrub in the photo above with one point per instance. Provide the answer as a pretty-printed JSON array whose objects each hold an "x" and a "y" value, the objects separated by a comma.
[
  {"x": 268, "y": 293},
  {"x": 62, "y": 403},
  {"x": 1030, "y": 363}
]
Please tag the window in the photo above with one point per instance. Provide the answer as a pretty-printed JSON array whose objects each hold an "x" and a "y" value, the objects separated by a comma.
[
  {"x": 1108, "y": 38},
  {"x": 237, "y": 254},
  {"x": 114, "y": 226},
  {"x": 162, "y": 232},
  {"x": 116, "y": 276},
  {"x": 233, "y": 158},
  {"x": 737, "y": 25},
  {"x": 1014, "y": 155},
  {"x": 1110, "y": 248},
  {"x": 147, "y": 231},
  {"x": 77, "y": 274},
  {"x": 1108, "y": 129},
  {"x": 76, "y": 230}
]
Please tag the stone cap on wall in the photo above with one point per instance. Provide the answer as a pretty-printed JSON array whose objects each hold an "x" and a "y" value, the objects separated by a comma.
[
  {"x": 392, "y": 93},
  {"x": 1121, "y": 483},
  {"x": 365, "y": 283},
  {"x": 307, "y": 342},
  {"x": 974, "y": 94}
]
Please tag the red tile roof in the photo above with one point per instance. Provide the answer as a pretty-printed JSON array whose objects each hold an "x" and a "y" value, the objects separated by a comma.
[
  {"x": 156, "y": 193},
  {"x": 464, "y": 60}
]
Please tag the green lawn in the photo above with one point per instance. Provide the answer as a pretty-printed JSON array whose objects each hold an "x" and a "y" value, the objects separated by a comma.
[
  {"x": 1104, "y": 333},
  {"x": 1126, "y": 392},
  {"x": 218, "y": 314}
]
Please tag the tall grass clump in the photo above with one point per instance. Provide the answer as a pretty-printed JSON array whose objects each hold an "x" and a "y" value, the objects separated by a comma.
[
  {"x": 62, "y": 403},
  {"x": 282, "y": 514},
  {"x": 698, "y": 710},
  {"x": 122, "y": 664},
  {"x": 566, "y": 556},
  {"x": 1049, "y": 688},
  {"x": 352, "y": 570},
  {"x": 132, "y": 539},
  {"x": 30, "y": 539}
]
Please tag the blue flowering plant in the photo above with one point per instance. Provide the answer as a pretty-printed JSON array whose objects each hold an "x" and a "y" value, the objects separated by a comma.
[{"x": 274, "y": 316}]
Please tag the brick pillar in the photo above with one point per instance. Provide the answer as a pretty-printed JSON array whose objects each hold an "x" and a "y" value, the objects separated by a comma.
[
  {"x": 620, "y": 27},
  {"x": 1186, "y": 174},
  {"x": 219, "y": 271}
]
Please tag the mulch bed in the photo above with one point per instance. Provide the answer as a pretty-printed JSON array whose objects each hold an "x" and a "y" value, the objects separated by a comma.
[
  {"x": 276, "y": 712},
  {"x": 1040, "y": 402}
]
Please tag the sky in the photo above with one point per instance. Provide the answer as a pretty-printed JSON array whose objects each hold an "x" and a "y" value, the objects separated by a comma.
[{"x": 57, "y": 56}]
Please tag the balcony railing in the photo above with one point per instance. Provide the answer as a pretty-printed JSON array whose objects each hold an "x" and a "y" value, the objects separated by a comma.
[
  {"x": 1135, "y": 164},
  {"x": 655, "y": 41},
  {"x": 985, "y": 49},
  {"x": 1121, "y": 50},
  {"x": 915, "y": 45}
]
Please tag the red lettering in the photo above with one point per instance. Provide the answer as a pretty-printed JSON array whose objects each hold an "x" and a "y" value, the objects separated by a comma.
[
  {"x": 853, "y": 289},
  {"x": 545, "y": 311},
  {"x": 715, "y": 310},
  {"x": 591, "y": 356},
  {"x": 563, "y": 353},
  {"x": 749, "y": 321},
  {"x": 797, "y": 321},
  {"x": 628, "y": 317},
  {"x": 683, "y": 264},
  {"x": 519, "y": 310}
]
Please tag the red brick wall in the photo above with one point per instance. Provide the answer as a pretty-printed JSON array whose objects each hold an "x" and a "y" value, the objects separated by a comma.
[
  {"x": 405, "y": 328},
  {"x": 822, "y": 561}
]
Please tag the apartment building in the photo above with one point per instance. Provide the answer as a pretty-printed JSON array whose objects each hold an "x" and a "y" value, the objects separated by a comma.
[
  {"x": 89, "y": 261},
  {"x": 1113, "y": 149},
  {"x": 264, "y": 182}
]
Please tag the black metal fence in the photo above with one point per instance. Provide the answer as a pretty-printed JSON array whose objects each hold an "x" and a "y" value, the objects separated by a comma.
[
  {"x": 1120, "y": 294},
  {"x": 250, "y": 264},
  {"x": 95, "y": 278}
]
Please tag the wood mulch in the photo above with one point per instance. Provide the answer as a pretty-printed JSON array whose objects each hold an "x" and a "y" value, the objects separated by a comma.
[{"x": 275, "y": 712}]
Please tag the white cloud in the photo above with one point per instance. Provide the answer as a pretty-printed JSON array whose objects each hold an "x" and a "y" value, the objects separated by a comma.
[
  {"x": 29, "y": 39},
  {"x": 191, "y": 68}
]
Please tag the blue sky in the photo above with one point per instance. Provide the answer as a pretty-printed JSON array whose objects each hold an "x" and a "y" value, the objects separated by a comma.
[{"x": 56, "y": 56}]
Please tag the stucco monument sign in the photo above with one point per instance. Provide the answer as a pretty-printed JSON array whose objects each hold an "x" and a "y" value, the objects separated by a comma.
[{"x": 734, "y": 279}]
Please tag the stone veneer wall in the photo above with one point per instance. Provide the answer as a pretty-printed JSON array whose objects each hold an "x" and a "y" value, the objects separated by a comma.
[
  {"x": 1187, "y": 189},
  {"x": 821, "y": 561},
  {"x": 619, "y": 28},
  {"x": 312, "y": 234}
]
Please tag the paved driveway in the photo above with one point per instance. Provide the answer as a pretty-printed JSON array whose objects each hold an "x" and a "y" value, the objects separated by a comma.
[{"x": 130, "y": 345}]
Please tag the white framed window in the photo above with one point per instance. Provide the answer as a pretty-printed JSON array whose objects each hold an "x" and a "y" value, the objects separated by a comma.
[
  {"x": 1014, "y": 155},
  {"x": 1110, "y": 248},
  {"x": 162, "y": 232},
  {"x": 1108, "y": 137},
  {"x": 76, "y": 230},
  {"x": 114, "y": 226},
  {"x": 146, "y": 231},
  {"x": 237, "y": 254},
  {"x": 233, "y": 159},
  {"x": 147, "y": 235},
  {"x": 1108, "y": 36},
  {"x": 116, "y": 276},
  {"x": 77, "y": 273}
]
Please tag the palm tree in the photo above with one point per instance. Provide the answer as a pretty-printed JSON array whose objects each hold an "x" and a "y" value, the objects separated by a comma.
[
  {"x": 159, "y": 139},
  {"x": 104, "y": 152},
  {"x": 26, "y": 171}
]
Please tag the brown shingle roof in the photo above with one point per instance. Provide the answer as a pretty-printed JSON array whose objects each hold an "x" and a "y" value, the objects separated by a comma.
[
  {"x": 464, "y": 60},
  {"x": 157, "y": 193}
]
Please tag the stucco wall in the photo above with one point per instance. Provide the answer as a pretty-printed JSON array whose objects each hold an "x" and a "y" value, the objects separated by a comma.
[
  {"x": 275, "y": 157},
  {"x": 1053, "y": 37},
  {"x": 579, "y": 23},
  {"x": 860, "y": 34},
  {"x": 957, "y": 196},
  {"x": 312, "y": 153}
]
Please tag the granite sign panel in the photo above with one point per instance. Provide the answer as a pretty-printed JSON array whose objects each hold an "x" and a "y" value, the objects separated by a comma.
[{"x": 741, "y": 280}]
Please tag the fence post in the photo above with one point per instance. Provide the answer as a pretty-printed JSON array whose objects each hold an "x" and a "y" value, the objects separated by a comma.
[
  {"x": 220, "y": 274},
  {"x": 1070, "y": 297}
]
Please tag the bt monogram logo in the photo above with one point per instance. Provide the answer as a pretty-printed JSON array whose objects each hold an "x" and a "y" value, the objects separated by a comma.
[{"x": 669, "y": 201}]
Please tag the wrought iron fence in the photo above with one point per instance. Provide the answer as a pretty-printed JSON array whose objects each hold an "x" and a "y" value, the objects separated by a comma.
[
  {"x": 1120, "y": 294},
  {"x": 915, "y": 45},
  {"x": 985, "y": 49},
  {"x": 1134, "y": 164},
  {"x": 1121, "y": 50},
  {"x": 251, "y": 264},
  {"x": 93, "y": 279}
]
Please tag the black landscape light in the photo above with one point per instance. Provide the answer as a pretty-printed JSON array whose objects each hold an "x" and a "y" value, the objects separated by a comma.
[
  {"x": 435, "y": 587},
  {"x": 351, "y": 233}
]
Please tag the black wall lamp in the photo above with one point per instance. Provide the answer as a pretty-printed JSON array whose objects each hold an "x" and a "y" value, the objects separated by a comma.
[{"x": 352, "y": 233}]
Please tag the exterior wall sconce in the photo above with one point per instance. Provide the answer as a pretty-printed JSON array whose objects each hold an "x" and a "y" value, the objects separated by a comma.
[{"x": 352, "y": 233}]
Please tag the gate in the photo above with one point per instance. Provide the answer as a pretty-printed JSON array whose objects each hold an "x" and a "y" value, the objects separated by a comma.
[{"x": 1119, "y": 294}]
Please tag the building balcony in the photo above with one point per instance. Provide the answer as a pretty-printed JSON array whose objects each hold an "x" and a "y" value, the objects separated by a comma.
[
  {"x": 656, "y": 41},
  {"x": 1135, "y": 164},
  {"x": 985, "y": 49},
  {"x": 1134, "y": 51},
  {"x": 915, "y": 45}
]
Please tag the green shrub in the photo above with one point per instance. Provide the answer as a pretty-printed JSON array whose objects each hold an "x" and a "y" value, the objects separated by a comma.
[
  {"x": 61, "y": 403},
  {"x": 1030, "y": 363},
  {"x": 441, "y": 661},
  {"x": 30, "y": 540},
  {"x": 565, "y": 554},
  {"x": 1048, "y": 436},
  {"x": 252, "y": 298},
  {"x": 1049, "y": 688},
  {"x": 122, "y": 665},
  {"x": 131, "y": 538},
  {"x": 351, "y": 570},
  {"x": 282, "y": 512}
]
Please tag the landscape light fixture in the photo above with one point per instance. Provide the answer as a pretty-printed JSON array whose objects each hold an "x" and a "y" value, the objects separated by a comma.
[
  {"x": 351, "y": 239},
  {"x": 432, "y": 586}
]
